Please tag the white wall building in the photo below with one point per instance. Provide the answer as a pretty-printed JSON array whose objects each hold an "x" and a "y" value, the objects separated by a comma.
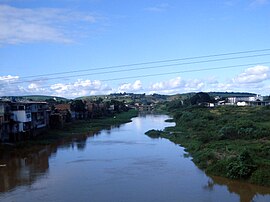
[
  {"x": 235, "y": 100},
  {"x": 22, "y": 116}
]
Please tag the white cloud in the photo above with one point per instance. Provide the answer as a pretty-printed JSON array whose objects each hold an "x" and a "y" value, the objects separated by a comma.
[
  {"x": 194, "y": 85},
  {"x": 6, "y": 86},
  {"x": 8, "y": 78},
  {"x": 177, "y": 85},
  {"x": 80, "y": 88},
  {"x": 24, "y": 25},
  {"x": 167, "y": 85},
  {"x": 219, "y": 86},
  {"x": 33, "y": 86},
  {"x": 130, "y": 87},
  {"x": 253, "y": 75},
  {"x": 70, "y": 90},
  {"x": 252, "y": 79}
]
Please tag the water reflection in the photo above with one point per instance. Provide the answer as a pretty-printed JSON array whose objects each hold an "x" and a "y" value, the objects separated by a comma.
[
  {"x": 246, "y": 191},
  {"x": 23, "y": 168},
  {"x": 81, "y": 143}
]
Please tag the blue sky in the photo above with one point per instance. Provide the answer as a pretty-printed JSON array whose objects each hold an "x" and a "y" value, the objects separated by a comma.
[{"x": 48, "y": 37}]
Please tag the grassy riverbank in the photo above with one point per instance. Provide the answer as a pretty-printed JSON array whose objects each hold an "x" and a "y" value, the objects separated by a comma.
[
  {"x": 227, "y": 141},
  {"x": 76, "y": 129}
]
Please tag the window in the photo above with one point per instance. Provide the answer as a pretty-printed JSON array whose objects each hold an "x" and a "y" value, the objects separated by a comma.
[
  {"x": 14, "y": 108},
  {"x": 21, "y": 107}
]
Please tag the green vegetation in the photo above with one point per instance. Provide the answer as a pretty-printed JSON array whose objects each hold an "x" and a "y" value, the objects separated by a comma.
[
  {"x": 78, "y": 129},
  {"x": 231, "y": 94},
  {"x": 227, "y": 141},
  {"x": 37, "y": 98},
  {"x": 155, "y": 133}
]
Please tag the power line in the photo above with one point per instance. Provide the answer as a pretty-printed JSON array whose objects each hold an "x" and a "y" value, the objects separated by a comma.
[
  {"x": 147, "y": 63},
  {"x": 185, "y": 71},
  {"x": 175, "y": 72},
  {"x": 142, "y": 68}
]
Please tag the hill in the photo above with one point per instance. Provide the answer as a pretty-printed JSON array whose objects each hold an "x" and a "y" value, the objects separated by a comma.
[{"x": 35, "y": 98}]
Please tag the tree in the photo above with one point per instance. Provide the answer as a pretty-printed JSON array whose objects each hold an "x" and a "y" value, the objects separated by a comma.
[
  {"x": 78, "y": 106},
  {"x": 200, "y": 98}
]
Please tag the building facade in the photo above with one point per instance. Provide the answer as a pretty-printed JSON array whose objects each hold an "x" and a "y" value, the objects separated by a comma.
[{"x": 5, "y": 112}]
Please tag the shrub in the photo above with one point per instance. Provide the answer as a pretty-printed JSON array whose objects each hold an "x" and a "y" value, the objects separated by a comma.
[
  {"x": 228, "y": 132},
  {"x": 187, "y": 116},
  {"x": 246, "y": 132},
  {"x": 237, "y": 170},
  {"x": 206, "y": 137},
  {"x": 203, "y": 158},
  {"x": 261, "y": 176},
  {"x": 241, "y": 167},
  {"x": 154, "y": 133},
  {"x": 174, "y": 104},
  {"x": 217, "y": 168},
  {"x": 243, "y": 123},
  {"x": 177, "y": 115}
]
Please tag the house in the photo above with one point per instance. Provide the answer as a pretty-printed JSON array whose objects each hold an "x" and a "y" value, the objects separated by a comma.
[
  {"x": 27, "y": 117},
  {"x": 253, "y": 103},
  {"x": 234, "y": 100},
  {"x": 145, "y": 107},
  {"x": 256, "y": 100},
  {"x": 211, "y": 105},
  {"x": 90, "y": 108},
  {"x": 39, "y": 114},
  {"x": 221, "y": 102},
  {"x": 111, "y": 108},
  {"x": 21, "y": 117},
  {"x": 94, "y": 110},
  {"x": 5, "y": 111},
  {"x": 65, "y": 111},
  {"x": 62, "y": 107}
]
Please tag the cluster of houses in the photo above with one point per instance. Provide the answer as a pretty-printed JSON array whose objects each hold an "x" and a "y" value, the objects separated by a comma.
[
  {"x": 256, "y": 100},
  {"x": 24, "y": 119},
  {"x": 17, "y": 118}
]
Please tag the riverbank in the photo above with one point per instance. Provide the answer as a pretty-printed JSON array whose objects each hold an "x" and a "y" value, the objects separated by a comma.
[
  {"x": 72, "y": 130},
  {"x": 232, "y": 142}
]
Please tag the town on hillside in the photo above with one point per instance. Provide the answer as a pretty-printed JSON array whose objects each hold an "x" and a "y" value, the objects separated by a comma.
[{"x": 24, "y": 117}]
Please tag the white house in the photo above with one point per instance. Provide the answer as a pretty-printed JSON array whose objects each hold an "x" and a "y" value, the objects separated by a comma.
[
  {"x": 29, "y": 115},
  {"x": 241, "y": 99},
  {"x": 21, "y": 115}
]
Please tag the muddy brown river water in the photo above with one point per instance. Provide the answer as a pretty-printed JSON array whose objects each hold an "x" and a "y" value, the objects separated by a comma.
[{"x": 120, "y": 164}]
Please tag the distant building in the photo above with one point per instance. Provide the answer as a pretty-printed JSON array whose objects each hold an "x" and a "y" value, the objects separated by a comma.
[
  {"x": 235, "y": 100},
  {"x": 21, "y": 117},
  {"x": 5, "y": 111},
  {"x": 65, "y": 111},
  {"x": 39, "y": 114},
  {"x": 247, "y": 101},
  {"x": 27, "y": 117},
  {"x": 145, "y": 107},
  {"x": 253, "y": 103},
  {"x": 62, "y": 107}
]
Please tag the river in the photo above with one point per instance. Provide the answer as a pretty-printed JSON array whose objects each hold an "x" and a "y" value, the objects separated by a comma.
[{"x": 120, "y": 164}]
